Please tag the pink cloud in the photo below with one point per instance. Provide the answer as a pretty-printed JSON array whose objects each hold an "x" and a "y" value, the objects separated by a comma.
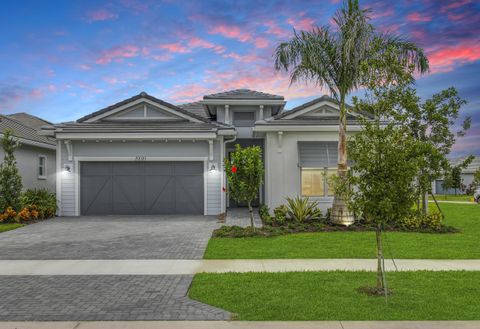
[
  {"x": 201, "y": 43},
  {"x": 273, "y": 28},
  {"x": 90, "y": 87},
  {"x": 243, "y": 58},
  {"x": 85, "y": 67},
  {"x": 100, "y": 15},
  {"x": 118, "y": 54},
  {"x": 417, "y": 17},
  {"x": 231, "y": 32},
  {"x": 162, "y": 58},
  {"x": 445, "y": 58},
  {"x": 304, "y": 24},
  {"x": 175, "y": 47},
  {"x": 112, "y": 80},
  {"x": 261, "y": 43},
  {"x": 454, "y": 5},
  {"x": 456, "y": 17}
]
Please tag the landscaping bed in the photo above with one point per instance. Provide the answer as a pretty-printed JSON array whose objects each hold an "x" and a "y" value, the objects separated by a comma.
[{"x": 299, "y": 296}]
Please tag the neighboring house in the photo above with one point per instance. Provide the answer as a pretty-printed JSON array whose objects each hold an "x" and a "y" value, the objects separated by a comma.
[
  {"x": 467, "y": 177},
  {"x": 35, "y": 156},
  {"x": 146, "y": 156}
]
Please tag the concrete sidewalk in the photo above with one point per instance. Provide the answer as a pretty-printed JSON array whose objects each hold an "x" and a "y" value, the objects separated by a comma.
[
  {"x": 455, "y": 202},
  {"x": 244, "y": 325},
  {"x": 189, "y": 267}
]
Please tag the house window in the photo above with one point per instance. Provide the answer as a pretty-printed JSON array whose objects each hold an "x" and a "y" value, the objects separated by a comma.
[
  {"x": 315, "y": 182},
  {"x": 42, "y": 167},
  {"x": 243, "y": 119}
]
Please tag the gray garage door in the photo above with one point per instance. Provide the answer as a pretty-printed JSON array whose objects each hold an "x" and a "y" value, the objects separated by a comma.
[{"x": 133, "y": 188}]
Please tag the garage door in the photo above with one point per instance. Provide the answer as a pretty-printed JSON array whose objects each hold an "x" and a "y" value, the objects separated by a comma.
[{"x": 137, "y": 188}]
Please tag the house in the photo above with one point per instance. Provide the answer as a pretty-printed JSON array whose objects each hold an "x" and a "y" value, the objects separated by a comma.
[
  {"x": 146, "y": 156},
  {"x": 35, "y": 156},
  {"x": 467, "y": 177}
]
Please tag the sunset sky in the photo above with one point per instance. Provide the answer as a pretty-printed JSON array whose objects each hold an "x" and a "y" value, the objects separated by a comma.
[{"x": 61, "y": 60}]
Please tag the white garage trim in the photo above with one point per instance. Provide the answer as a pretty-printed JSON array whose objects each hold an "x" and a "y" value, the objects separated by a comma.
[{"x": 78, "y": 161}]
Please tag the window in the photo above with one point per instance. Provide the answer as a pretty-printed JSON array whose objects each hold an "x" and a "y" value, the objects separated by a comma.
[
  {"x": 315, "y": 182},
  {"x": 42, "y": 167},
  {"x": 243, "y": 119}
]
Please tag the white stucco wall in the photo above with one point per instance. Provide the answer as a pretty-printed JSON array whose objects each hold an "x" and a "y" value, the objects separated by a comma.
[
  {"x": 27, "y": 164},
  {"x": 68, "y": 185},
  {"x": 282, "y": 175}
]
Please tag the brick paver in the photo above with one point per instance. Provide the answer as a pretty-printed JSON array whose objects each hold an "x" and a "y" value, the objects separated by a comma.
[{"x": 88, "y": 298}]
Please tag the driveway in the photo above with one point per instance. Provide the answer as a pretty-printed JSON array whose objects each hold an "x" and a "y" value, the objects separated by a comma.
[
  {"x": 111, "y": 237},
  {"x": 105, "y": 297}
]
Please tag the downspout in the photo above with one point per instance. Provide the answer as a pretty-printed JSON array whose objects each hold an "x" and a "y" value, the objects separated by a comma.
[{"x": 224, "y": 203}]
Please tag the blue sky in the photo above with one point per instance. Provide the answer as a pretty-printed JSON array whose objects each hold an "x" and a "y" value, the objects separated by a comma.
[{"x": 61, "y": 60}]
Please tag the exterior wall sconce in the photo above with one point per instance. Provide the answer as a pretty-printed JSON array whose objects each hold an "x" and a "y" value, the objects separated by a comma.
[
  {"x": 67, "y": 167},
  {"x": 212, "y": 166}
]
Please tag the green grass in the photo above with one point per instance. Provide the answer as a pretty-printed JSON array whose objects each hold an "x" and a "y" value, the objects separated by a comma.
[
  {"x": 462, "y": 245},
  {"x": 441, "y": 197},
  {"x": 334, "y": 296},
  {"x": 8, "y": 227}
]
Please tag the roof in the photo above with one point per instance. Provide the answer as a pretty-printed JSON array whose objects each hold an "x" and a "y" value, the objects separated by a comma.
[
  {"x": 306, "y": 122},
  {"x": 23, "y": 131},
  {"x": 324, "y": 98},
  {"x": 195, "y": 108},
  {"x": 152, "y": 126},
  {"x": 243, "y": 94},
  {"x": 140, "y": 96},
  {"x": 29, "y": 120}
]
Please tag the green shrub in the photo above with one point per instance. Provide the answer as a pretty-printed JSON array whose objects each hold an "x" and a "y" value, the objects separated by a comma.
[
  {"x": 264, "y": 213},
  {"x": 234, "y": 232},
  {"x": 418, "y": 221},
  {"x": 302, "y": 209},
  {"x": 280, "y": 214},
  {"x": 44, "y": 201}
]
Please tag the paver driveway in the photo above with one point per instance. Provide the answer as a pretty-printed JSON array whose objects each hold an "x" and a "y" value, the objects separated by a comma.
[
  {"x": 110, "y": 237},
  {"x": 105, "y": 297}
]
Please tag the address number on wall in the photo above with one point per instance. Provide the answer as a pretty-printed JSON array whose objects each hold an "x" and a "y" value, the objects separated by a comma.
[{"x": 140, "y": 158}]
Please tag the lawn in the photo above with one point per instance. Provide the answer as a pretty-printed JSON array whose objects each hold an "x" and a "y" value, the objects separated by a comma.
[
  {"x": 334, "y": 296},
  {"x": 441, "y": 197},
  {"x": 462, "y": 245},
  {"x": 8, "y": 227}
]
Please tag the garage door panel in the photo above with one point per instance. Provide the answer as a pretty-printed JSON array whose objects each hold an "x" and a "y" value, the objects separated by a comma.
[
  {"x": 129, "y": 188},
  {"x": 98, "y": 199},
  {"x": 160, "y": 195},
  {"x": 189, "y": 194},
  {"x": 128, "y": 198}
]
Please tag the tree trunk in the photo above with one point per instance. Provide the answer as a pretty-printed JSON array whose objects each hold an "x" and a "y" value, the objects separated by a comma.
[
  {"x": 380, "y": 269},
  {"x": 250, "y": 210},
  {"x": 425, "y": 203},
  {"x": 340, "y": 214}
]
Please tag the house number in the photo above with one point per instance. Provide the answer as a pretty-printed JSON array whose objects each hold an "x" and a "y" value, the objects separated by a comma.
[{"x": 140, "y": 158}]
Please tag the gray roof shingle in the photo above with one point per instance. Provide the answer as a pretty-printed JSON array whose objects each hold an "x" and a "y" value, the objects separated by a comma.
[
  {"x": 195, "y": 108},
  {"x": 23, "y": 131},
  {"x": 243, "y": 94},
  {"x": 29, "y": 120}
]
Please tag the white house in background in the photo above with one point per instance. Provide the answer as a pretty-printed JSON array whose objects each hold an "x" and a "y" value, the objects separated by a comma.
[
  {"x": 35, "y": 157},
  {"x": 467, "y": 177},
  {"x": 146, "y": 156}
]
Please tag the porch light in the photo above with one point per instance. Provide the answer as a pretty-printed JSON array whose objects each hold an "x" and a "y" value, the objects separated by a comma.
[
  {"x": 67, "y": 167},
  {"x": 212, "y": 167}
]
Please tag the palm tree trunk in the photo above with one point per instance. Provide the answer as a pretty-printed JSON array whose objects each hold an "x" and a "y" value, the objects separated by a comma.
[{"x": 340, "y": 214}]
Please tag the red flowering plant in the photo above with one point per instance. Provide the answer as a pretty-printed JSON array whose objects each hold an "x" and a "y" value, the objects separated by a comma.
[{"x": 244, "y": 171}]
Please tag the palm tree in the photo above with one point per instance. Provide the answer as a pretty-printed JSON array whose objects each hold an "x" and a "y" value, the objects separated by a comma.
[{"x": 343, "y": 58}]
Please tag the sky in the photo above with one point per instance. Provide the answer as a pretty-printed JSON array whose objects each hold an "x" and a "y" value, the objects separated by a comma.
[{"x": 61, "y": 60}]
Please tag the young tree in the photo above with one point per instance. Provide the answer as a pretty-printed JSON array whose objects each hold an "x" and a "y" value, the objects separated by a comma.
[
  {"x": 10, "y": 179},
  {"x": 346, "y": 57},
  {"x": 244, "y": 172},
  {"x": 378, "y": 188},
  {"x": 453, "y": 175}
]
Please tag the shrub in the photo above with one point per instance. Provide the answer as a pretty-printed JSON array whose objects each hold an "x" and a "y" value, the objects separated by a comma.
[
  {"x": 264, "y": 213},
  {"x": 418, "y": 221},
  {"x": 302, "y": 209},
  {"x": 280, "y": 214},
  {"x": 41, "y": 201},
  {"x": 9, "y": 215},
  {"x": 10, "y": 179}
]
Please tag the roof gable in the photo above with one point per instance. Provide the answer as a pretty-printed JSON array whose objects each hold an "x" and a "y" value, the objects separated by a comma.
[
  {"x": 243, "y": 94},
  {"x": 149, "y": 106}
]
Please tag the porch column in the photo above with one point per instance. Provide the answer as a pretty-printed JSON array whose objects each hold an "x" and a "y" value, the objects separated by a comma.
[
  {"x": 227, "y": 114},
  {"x": 260, "y": 113}
]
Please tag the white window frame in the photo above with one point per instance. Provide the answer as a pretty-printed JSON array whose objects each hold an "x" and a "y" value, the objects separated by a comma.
[
  {"x": 324, "y": 179},
  {"x": 44, "y": 157}
]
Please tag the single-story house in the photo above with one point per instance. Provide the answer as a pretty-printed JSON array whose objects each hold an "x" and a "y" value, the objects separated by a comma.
[
  {"x": 35, "y": 156},
  {"x": 146, "y": 156},
  {"x": 467, "y": 177}
]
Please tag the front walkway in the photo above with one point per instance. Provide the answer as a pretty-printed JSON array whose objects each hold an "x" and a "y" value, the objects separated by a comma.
[
  {"x": 241, "y": 217},
  {"x": 245, "y": 325},
  {"x": 190, "y": 267}
]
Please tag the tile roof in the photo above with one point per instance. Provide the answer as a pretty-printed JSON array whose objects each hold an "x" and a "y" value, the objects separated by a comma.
[
  {"x": 23, "y": 131},
  {"x": 242, "y": 94},
  {"x": 29, "y": 120},
  {"x": 195, "y": 108},
  {"x": 136, "y": 97}
]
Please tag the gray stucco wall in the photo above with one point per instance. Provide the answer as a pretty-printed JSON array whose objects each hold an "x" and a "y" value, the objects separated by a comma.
[
  {"x": 154, "y": 151},
  {"x": 283, "y": 174},
  {"x": 27, "y": 163}
]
